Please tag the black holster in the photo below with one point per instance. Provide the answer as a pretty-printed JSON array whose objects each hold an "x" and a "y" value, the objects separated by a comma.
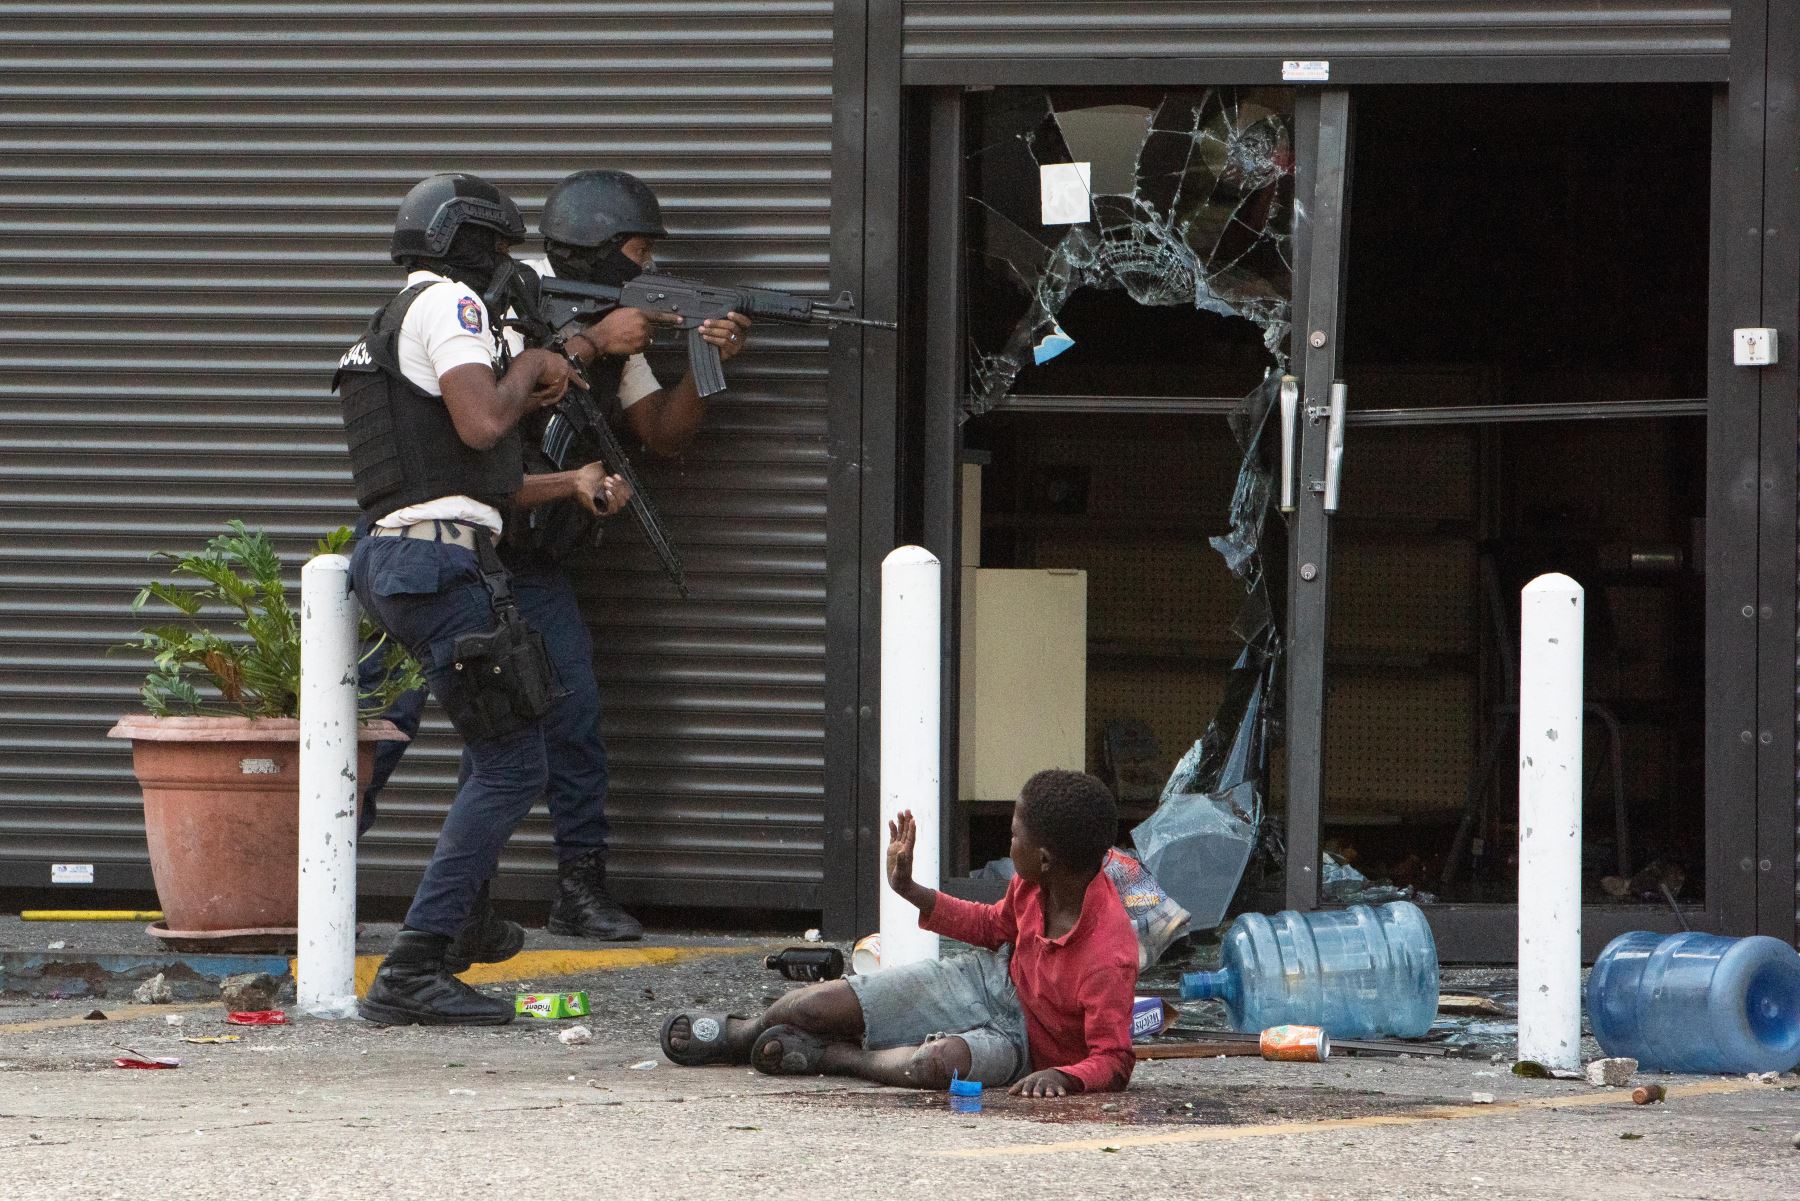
[{"x": 499, "y": 682}]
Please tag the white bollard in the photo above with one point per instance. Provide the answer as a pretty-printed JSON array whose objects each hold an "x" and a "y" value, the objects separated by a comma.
[
  {"x": 911, "y": 663},
  {"x": 1550, "y": 773},
  {"x": 325, "y": 974}
]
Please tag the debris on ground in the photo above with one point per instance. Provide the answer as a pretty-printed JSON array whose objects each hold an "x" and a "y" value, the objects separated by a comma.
[
  {"x": 1454, "y": 1003},
  {"x": 813, "y": 936},
  {"x": 95, "y": 1016},
  {"x": 58, "y": 945},
  {"x": 1649, "y": 1094},
  {"x": 575, "y": 1036},
  {"x": 1531, "y": 1069},
  {"x": 257, "y": 1017},
  {"x": 1482, "y": 1098},
  {"x": 154, "y": 991},
  {"x": 173, "y": 1019},
  {"x": 209, "y": 1039},
  {"x": 644, "y": 1065},
  {"x": 1611, "y": 1073},
  {"x": 252, "y": 992},
  {"x": 133, "y": 1058},
  {"x": 550, "y": 1006}
]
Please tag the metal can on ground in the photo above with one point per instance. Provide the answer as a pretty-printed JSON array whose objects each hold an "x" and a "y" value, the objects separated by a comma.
[{"x": 1301, "y": 1044}]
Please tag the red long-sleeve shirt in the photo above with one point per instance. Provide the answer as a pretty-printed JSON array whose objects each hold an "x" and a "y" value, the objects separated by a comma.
[{"x": 1076, "y": 990}]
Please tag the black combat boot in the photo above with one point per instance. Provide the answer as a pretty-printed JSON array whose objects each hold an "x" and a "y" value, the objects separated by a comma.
[
  {"x": 413, "y": 988},
  {"x": 486, "y": 938},
  {"x": 583, "y": 909}
]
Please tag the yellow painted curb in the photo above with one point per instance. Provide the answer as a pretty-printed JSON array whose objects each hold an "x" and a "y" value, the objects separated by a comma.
[
  {"x": 1438, "y": 1113},
  {"x": 537, "y": 966}
]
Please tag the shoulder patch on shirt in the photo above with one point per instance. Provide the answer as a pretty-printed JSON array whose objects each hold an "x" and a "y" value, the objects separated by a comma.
[{"x": 468, "y": 313}]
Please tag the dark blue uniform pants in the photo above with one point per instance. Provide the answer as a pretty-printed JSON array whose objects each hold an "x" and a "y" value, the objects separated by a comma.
[
  {"x": 576, "y": 791},
  {"x": 426, "y": 595}
]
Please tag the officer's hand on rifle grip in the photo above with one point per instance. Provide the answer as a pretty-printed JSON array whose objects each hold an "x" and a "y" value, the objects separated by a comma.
[
  {"x": 553, "y": 376},
  {"x": 627, "y": 331},
  {"x": 599, "y": 493}
]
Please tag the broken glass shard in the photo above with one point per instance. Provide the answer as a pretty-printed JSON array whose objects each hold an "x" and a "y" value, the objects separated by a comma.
[
  {"x": 1191, "y": 203},
  {"x": 1198, "y": 841}
]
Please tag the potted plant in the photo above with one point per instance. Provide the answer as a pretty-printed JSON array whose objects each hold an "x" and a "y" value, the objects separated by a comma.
[{"x": 216, "y": 750}]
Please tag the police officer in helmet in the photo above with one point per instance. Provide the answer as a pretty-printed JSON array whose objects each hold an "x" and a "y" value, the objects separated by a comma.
[
  {"x": 432, "y": 402},
  {"x": 599, "y": 227}
]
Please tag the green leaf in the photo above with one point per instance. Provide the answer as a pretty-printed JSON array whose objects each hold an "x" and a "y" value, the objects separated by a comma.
[{"x": 241, "y": 636}]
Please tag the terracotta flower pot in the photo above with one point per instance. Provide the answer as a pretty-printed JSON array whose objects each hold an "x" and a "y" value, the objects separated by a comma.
[{"x": 222, "y": 815}]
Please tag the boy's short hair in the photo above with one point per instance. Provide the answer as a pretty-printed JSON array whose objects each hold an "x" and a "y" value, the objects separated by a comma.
[{"x": 1072, "y": 814}]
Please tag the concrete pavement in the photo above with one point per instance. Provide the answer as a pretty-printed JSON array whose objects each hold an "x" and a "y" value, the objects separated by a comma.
[{"x": 346, "y": 1110}]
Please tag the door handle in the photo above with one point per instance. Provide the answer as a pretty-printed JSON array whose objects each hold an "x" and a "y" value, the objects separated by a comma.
[
  {"x": 1290, "y": 408},
  {"x": 1334, "y": 444}
]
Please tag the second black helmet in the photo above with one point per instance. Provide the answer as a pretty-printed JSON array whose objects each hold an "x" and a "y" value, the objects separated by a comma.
[
  {"x": 439, "y": 205},
  {"x": 594, "y": 208}
]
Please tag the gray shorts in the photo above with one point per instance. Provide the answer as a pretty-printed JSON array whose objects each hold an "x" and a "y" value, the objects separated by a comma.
[{"x": 969, "y": 996}]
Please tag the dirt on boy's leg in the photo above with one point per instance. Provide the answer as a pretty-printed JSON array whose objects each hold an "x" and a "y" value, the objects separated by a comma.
[
  {"x": 928, "y": 1066},
  {"x": 829, "y": 1011}
]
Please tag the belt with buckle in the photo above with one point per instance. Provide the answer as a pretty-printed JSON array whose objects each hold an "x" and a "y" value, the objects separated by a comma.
[{"x": 456, "y": 533}]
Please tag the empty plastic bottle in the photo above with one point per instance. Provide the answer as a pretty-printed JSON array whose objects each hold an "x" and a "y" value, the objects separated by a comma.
[
  {"x": 1358, "y": 972},
  {"x": 1698, "y": 1002}
]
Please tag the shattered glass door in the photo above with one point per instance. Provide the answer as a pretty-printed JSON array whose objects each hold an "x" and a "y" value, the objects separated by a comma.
[
  {"x": 1130, "y": 252},
  {"x": 1176, "y": 200}
]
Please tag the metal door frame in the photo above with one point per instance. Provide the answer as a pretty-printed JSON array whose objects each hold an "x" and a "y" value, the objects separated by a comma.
[
  {"x": 1467, "y": 931},
  {"x": 1756, "y": 280}
]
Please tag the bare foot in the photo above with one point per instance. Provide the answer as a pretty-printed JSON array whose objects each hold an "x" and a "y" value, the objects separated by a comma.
[{"x": 740, "y": 1035}]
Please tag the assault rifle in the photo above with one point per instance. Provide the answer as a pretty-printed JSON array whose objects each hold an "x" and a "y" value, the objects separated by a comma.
[
  {"x": 568, "y": 300},
  {"x": 578, "y": 418}
]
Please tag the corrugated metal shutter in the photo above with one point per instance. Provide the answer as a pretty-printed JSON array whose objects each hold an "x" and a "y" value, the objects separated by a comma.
[
  {"x": 194, "y": 206},
  {"x": 1336, "y": 30}
]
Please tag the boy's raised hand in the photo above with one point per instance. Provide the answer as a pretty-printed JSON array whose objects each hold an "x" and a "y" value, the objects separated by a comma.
[{"x": 903, "y": 836}]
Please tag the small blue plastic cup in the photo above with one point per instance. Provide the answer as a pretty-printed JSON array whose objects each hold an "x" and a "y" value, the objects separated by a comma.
[{"x": 965, "y": 1095}]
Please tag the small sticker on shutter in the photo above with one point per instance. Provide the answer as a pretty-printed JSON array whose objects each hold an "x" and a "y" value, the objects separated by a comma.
[
  {"x": 71, "y": 873},
  {"x": 258, "y": 767}
]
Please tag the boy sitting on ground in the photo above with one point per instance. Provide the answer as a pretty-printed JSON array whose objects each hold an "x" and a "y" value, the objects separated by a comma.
[{"x": 1045, "y": 1007}]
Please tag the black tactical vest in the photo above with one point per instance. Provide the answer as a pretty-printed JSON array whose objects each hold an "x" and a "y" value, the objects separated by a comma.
[
  {"x": 551, "y": 533},
  {"x": 404, "y": 449}
]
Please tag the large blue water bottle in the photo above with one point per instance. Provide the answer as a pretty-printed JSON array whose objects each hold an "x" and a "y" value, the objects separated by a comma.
[
  {"x": 1697, "y": 1002},
  {"x": 1358, "y": 972}
]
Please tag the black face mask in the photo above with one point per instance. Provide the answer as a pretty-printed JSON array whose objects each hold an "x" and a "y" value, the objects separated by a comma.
[
  {"x": 473, "y": 257},
  {"x": 606, "y": 264}
]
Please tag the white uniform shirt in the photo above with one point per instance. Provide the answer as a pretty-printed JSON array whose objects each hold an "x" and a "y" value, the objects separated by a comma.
[
  {"x": 446, "y": 327},
  {"x": 637, "y": 382}
]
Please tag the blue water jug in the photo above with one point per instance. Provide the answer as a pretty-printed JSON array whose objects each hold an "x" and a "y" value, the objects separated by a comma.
[
  {"x": 1697, "y": 1002},
  {"x": 1358, "y": 972}
]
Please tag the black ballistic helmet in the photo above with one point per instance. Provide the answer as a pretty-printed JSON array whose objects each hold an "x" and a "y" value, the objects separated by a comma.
[
  {"x": 439, "y": 205},
  {"x": 594, "y": 208}
]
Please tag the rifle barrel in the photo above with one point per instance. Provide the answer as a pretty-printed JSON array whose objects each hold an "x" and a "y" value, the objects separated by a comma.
[{"x": 841, "y": 319}]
